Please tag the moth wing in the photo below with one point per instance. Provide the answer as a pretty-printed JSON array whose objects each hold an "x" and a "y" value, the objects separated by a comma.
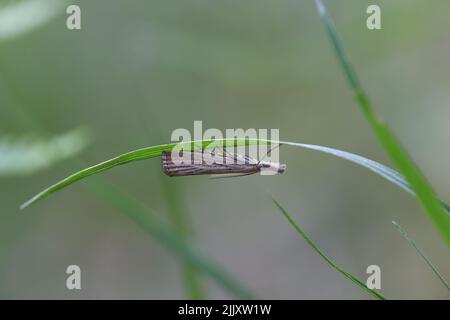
[
  {"x": 192, "y": 163},
  {"x": 180, "y": 168},
  {"x": 236, "y": 158},
  {"x": 205, "y": 162}
]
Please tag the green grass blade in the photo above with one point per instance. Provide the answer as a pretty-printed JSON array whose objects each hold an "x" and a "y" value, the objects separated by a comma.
[
  {"x": 396, "y": 152},
  {"x": 421, "y": 254},
  {"x": 192, "y": 281},
  {"x": 167, "y": 236},
  {"x": 180, "y": 219},
  {"x": 136, "y": 155},
  {"x": 151, "y": 152},
  {"x": 346, "y": 274}
]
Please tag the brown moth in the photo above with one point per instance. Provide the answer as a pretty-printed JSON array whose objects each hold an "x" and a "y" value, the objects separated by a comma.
[{"x": 205, "y": 163}]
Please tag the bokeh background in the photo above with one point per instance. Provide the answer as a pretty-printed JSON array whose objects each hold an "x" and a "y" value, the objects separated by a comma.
[{"x": 137, "y": 70}]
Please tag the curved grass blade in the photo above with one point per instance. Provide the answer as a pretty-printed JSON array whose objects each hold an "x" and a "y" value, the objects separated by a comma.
[
  {"x": 154, "y": 151},
  {"x": 380, "y": 169},
  {"x": 168, "y": 237},
  {"x": 421, "y": 254},
  {"x": 346, "y": 274},
  {"x": 135, "y": 155},
  {"x": 396, "y": 152}
]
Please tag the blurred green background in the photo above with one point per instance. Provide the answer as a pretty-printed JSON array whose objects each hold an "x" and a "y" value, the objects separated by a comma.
[{"x": 137, "y": 70}]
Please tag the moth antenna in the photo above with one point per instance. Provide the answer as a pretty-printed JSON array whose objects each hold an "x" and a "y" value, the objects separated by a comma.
[{"x": 273, "y": 148}]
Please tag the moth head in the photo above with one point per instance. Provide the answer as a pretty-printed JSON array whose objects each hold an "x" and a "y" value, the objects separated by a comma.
[{"x": 271, "y": 168}]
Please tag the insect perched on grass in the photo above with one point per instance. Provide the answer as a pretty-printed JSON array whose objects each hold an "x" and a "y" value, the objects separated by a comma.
[{"x": 206, "y": 163}]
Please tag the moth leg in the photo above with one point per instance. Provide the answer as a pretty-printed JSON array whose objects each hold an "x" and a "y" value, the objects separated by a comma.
[{"x": 230, "y": 175}]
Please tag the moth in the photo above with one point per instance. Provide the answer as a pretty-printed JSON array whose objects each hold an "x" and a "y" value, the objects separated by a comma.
[{"x": 205, "y": 163}]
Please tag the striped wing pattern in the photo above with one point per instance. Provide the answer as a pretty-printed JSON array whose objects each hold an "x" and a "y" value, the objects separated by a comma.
[{"x": 203, "y": 164}]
